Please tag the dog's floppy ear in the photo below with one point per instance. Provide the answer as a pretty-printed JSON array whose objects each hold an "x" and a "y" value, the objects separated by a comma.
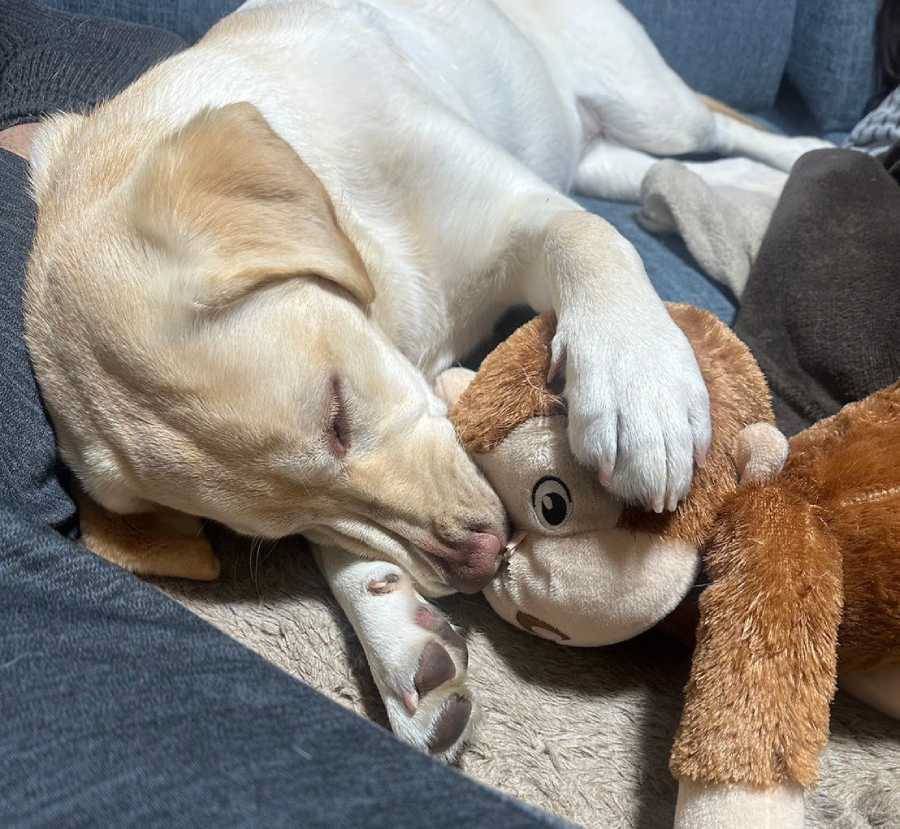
[{"x": 230, "y": 200}]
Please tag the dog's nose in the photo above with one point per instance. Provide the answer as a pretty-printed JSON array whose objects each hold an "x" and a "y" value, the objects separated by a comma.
[
  {"x": 483, "y": 544},
  {"x": 475, "y": 562}
]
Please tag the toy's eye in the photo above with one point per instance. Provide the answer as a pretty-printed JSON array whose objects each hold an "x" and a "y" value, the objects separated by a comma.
[{"x": 551, "y": 502}]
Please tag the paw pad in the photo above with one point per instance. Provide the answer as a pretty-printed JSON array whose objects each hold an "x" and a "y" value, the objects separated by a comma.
[
  {"x": 435, "y": 668},
  {"x": 450, "y": 724},
  {"x": 428, "y": 618}
]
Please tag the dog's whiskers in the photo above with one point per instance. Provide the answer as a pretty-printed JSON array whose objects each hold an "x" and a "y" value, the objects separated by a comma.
[
  {"x": 256, "y": 558},
  {"x": 255, "y": 545}
]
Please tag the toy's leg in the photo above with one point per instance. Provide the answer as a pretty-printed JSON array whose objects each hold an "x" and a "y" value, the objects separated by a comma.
[
  {"x": 417, "y": 659},
  {"x": 763, "y": 674},
  {"x": 161, "y": 543},
  {"x": 878, "y": 688},
  {"x": 704, "y": 806}
]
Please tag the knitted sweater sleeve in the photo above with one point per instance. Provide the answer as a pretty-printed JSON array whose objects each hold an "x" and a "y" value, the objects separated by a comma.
[{"x": 53, "y": 61}]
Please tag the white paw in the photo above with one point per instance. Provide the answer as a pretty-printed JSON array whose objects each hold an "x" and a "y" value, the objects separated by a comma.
[
  {"x": 419, "y": 664},
  {"x": 790, "y": 149},
  {"x": 638, "y": 407}
]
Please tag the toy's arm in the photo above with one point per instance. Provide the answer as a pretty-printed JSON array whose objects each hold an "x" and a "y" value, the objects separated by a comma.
[{"x": 763, "y": 675}]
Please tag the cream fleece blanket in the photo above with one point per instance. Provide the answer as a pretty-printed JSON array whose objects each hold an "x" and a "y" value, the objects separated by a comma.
[{"x": 581, "y": 733}]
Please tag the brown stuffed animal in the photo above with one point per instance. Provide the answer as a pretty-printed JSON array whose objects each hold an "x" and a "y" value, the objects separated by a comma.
[{"x": 802, "y": 549}]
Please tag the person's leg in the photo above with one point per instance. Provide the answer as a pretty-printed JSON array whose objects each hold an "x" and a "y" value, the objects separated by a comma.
[
  {"x": 189, "y": 19},
  {"x": 121, "y": 707},
  {"x": 821, "y": 307},
  {"x": 48, "y": 62},
  {"x": 29, "y": 476}
]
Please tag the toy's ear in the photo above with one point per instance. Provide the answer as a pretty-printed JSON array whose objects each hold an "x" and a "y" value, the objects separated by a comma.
[
  {"x": 452, "y": 383},
  {"x": 759, "y": 453}
]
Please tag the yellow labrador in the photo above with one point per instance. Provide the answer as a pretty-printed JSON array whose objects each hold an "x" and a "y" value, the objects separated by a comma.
[{"x": 252, "y": 263}]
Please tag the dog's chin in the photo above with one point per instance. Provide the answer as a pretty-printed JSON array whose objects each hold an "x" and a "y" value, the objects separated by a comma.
[
  {"x": 378, "y": 543},
  {"x": 470, "y": 579}
]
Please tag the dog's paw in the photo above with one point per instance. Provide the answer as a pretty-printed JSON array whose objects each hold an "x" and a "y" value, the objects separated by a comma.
[
  {"x": 419, "y": 663},
  {"x": 637, "y": 404}
]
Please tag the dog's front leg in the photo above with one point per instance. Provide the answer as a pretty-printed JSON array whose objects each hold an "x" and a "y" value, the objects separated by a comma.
[
  {"x": 417, "y": 659},
  {"x": 638, "y": 407}
]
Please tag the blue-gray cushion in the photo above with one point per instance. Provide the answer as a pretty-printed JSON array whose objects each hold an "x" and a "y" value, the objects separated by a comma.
[
  {"x": 733, "y": 50},
  {"x": 831, "y": 61}
]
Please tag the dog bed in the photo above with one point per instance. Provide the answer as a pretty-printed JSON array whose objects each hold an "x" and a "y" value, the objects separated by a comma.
[{"x": 584, "y": 734}]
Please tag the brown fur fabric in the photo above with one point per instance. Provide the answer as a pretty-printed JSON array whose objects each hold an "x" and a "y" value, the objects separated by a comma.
[
  {"x": 781, "y": 556},
  {"x": 738, "y": 397},
  {"x": 763, "y": 674},
  {"x": 510, "y": 387},
  {"x": 800, "y": 567},
  {"x": 849, "y": 465}
]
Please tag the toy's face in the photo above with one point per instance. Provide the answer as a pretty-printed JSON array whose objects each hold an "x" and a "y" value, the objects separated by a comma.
[
  {"x": 586, "y": 571},
  {"x": 575, "y": 577}
]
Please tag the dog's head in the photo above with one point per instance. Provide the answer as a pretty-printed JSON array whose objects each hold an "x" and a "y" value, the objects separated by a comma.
[{"x": 200, "y": 330}]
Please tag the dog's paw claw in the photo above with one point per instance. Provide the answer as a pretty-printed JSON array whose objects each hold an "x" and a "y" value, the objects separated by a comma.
[{"x": 387, "y": 584}]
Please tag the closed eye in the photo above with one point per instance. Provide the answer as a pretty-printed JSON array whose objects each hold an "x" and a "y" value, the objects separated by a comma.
[{"x": 338, "y": 431}]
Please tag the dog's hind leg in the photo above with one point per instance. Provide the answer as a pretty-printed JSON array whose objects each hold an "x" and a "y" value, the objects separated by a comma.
[
  {"x": 629, "y": 95},
  {"x": 731, "y": 136},
  {"x": 610, "y": 171},
  {"x": 417, "y": 658}
]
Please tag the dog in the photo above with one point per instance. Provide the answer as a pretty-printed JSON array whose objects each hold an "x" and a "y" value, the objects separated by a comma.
[{"x": 251, "y": 264}]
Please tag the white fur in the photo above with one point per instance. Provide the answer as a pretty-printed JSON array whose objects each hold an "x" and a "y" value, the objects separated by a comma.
[{"x": 385, "y": 108}]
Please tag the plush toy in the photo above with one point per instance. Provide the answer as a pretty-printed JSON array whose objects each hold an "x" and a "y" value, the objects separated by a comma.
[{"x": 800, "y": 544}]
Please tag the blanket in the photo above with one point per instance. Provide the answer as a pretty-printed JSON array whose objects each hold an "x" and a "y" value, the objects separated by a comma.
[
  {"x": 584, "y": 734},
  {"x": 819, "y": 282},
  {"x": 821, "y": 311}
]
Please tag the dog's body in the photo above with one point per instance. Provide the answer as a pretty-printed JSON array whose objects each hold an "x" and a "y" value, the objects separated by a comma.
[{"x": 237, "y": 313}]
